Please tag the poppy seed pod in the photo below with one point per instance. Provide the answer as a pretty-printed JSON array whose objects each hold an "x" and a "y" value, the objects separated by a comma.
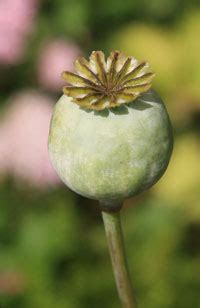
[{"x": 110, "y": 135}]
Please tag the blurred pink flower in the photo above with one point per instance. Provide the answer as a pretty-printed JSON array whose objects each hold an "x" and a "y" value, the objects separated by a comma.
[
  {"x": 16, "y": 18},
  {"x": 23, "y": 139},
  {"x": 56, "y": 56}
]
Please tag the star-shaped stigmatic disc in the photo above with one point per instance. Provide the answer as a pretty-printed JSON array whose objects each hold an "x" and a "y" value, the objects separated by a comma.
[{"x": 101, "y": 84}]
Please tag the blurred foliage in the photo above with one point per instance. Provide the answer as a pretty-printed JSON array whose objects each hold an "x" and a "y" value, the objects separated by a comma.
[
  {"x": 58, "y": 250},
  {"x": 52, "y": 243}
]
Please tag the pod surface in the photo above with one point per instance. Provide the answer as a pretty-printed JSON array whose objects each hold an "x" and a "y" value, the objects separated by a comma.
[{"x": 111, "y": 154}]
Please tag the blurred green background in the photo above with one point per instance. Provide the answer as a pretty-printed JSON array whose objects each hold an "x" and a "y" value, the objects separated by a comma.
[{"x": 53, "y": 251}]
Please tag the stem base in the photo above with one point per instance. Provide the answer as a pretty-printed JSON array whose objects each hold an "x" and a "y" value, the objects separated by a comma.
[{"x": 114, "y": 236}]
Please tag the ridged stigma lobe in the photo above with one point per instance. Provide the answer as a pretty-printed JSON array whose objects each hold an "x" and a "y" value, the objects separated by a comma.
[{"x": 100, "y": 84}]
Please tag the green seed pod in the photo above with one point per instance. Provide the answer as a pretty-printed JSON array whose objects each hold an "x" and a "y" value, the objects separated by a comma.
[{"x": 110, "y": 138}]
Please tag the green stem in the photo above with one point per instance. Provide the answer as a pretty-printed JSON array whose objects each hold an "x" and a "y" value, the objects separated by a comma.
[{"x": 114, "y": 236}]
